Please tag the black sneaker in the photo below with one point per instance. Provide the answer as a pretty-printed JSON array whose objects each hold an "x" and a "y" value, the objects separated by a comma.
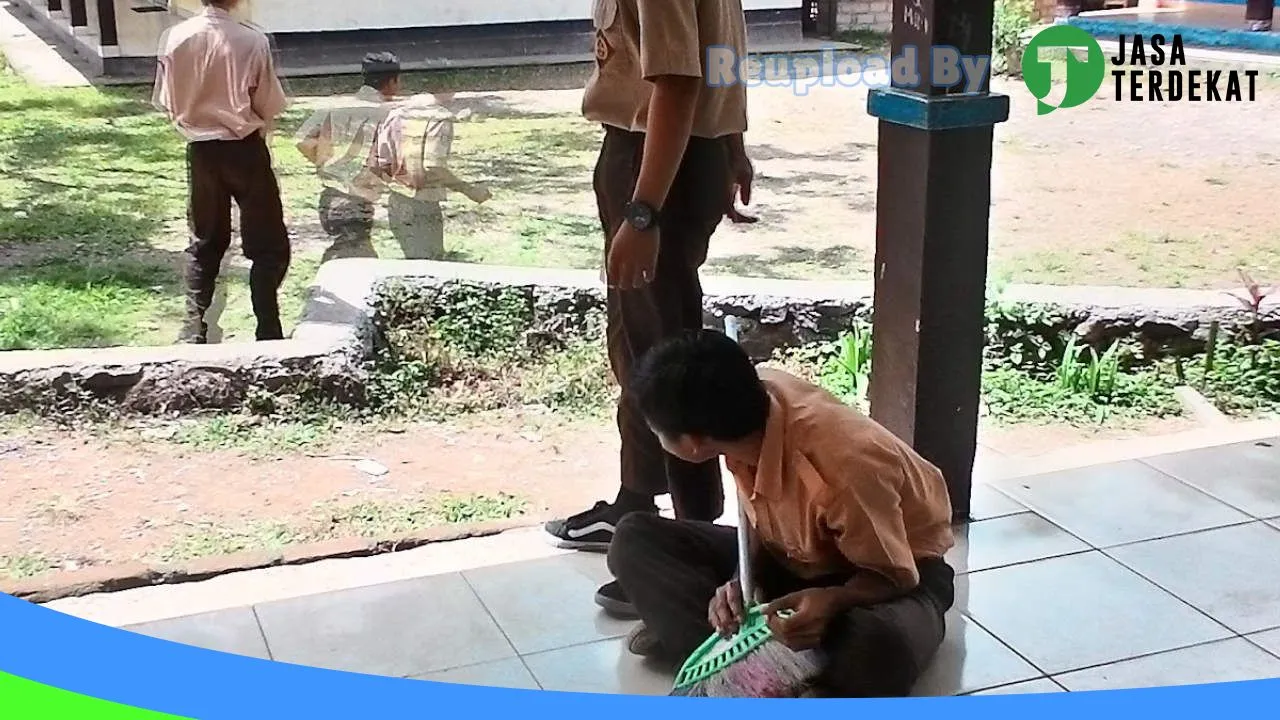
[
  {"x": 614, "y": 600},
  {"x": 589, "y": 530}
]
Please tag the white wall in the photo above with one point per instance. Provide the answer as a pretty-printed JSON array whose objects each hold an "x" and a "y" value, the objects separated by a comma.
[
  {"x": 320, "y": 15},
  {"x": 139, "y": 32}
]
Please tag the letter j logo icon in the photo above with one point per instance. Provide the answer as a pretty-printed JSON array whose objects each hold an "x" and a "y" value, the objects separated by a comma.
[{"x": 1071, "y": 57}]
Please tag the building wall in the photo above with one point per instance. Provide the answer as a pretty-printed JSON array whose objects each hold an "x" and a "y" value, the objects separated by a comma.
[
  {"x": 874, "y": 15},
  {"x": 878, "y": 14},
  {"x": 289, "y": 16},
  {"x": 140, "y": 32}
]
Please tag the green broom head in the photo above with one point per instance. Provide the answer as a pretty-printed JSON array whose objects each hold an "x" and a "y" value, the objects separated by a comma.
[{"x": 749, "y": 664}]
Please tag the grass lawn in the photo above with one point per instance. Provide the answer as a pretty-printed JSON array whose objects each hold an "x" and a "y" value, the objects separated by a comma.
[
  {"x": 92, "y": 199},
  {"x": 92, "y": 212}
]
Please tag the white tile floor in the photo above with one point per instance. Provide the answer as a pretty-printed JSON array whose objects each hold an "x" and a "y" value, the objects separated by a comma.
[{"x": 1137, "y": 573}]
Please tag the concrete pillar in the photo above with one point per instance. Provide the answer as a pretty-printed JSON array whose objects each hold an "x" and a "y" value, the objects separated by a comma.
[{"x": 933, "y": 207}]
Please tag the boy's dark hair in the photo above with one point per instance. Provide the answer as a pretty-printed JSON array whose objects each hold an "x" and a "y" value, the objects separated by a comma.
[
  {"x": 702, "y": 384},
  {"x": 379, "y": 69}
]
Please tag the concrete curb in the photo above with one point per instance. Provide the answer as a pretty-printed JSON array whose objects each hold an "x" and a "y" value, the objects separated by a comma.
[
  {"x": 337, "y": 335},
  {"x": 129, "y": 576}
]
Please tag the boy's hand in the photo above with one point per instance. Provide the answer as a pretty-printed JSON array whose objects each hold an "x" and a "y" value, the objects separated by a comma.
[
  {"x": 633, "y": 257},
  {"x": 811, "y": 611},
  {"x": 726, "y": 610},
  {"x": 479, "y": 194}
]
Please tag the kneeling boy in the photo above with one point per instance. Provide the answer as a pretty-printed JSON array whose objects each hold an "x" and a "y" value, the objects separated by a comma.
[{"x": 850, "y": 524}]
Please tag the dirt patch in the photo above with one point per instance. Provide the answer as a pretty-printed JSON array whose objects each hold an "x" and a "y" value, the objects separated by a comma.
[
  {"x": 1032, "y": 440},
  {"x": 1117, "y": 193},
  {"x": 73, "y": 500}
]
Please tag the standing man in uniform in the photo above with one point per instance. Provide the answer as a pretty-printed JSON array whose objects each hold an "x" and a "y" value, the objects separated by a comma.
[
  {"x": 339, "y": 143},
  {"x": 217, "y": 83},
  {"x": 672, "y": 149}
]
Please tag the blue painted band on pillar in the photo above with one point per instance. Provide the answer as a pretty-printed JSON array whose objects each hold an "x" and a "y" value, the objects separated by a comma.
[{"x": 939, "y": 112}]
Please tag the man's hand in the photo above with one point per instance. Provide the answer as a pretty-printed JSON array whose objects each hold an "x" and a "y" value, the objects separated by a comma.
[
  {"x": 744, "y": 174},
  {"x": 726, "y": 611},
  {"x": 633, "y": 257},
  {"x": 479, "y": 194},
  {"x": 800, "y": 619}
]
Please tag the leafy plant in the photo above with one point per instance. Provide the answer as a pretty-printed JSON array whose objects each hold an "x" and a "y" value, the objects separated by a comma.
[
  {"x": 1242, "y": 378},
  {"x": 855, "y": 359},
  {"x": 1013, "y": 18},
  {"x": 1013, "y": 396},
  {"x": 1082, "y": 370},
  {"x": 1024, "y": 336},
  {"x": 1252, "y": 298}
]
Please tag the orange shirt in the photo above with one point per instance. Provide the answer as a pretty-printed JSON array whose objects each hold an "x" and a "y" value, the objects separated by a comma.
[
  {"x": 834, "y": 491},
  {"x": 216, "y": 78}
]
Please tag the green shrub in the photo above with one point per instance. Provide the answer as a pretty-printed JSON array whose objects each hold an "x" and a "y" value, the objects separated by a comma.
[{"x": 1013, "y": 18}]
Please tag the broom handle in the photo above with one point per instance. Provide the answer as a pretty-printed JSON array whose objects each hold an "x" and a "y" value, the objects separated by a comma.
[
  {"x": 744, "y": 554},
  {"x": 744, "y": 524}
]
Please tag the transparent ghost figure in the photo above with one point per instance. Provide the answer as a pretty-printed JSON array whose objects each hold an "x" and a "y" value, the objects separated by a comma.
[{"x": 422, "y": 128}]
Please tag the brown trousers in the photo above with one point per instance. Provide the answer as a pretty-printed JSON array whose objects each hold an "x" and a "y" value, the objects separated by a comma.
[
  {"x": 1260, "y": 10},
  {"x": 219, "y": 172},
  {"x": 672, "y": 303}
]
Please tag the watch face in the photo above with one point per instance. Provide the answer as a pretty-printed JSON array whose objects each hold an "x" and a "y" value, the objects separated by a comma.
[{"x": 640, "y": 216}]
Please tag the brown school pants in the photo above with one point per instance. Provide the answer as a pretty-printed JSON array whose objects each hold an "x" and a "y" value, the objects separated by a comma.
[
  {"x": 219, "y": 172},
  {"x": 670, "y": 304},
  {"x": 1260, "y": 11},
  {"x": 671, "y": 570}
]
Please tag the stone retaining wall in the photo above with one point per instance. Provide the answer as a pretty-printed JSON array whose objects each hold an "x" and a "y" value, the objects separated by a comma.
[{"x": 337, "y": 334}]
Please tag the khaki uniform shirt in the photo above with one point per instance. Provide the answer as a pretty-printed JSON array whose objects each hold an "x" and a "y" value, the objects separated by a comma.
[
  {"x": 216, "y": 78},
  {"x": 639, "y": 40},
  {"x": 346, "y": 132},
  {"x": 415, "y": 139},
  {"x": 836, "y": 492}
]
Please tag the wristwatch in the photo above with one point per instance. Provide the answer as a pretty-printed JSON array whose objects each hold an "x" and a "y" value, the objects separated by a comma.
[{"x": 641, "y": 215}]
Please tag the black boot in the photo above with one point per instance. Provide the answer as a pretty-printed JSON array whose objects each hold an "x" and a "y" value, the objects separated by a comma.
[{"x": 264, "y": 286}]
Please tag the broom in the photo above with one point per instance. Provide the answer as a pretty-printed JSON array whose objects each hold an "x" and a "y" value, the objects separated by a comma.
[{"x": 752, "y": 663}]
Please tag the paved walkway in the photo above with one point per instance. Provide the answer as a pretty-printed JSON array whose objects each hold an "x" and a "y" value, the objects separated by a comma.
[
  {"x": 35, "y": 54},
  {"x": 1135, "y": 572}
]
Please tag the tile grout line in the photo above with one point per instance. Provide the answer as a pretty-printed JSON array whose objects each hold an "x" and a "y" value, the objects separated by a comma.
[
  {"x": 467, "y": 581},
  {"x": 1090, "y": 547},
  {"x": 1045, "y": 515},
  {"x": 1250, "y": 639},
  {"x": 262, "y": 632},
  {"x": 1104, "y": 554},
  {"x": 1171, "y": 593},
  {"x": 1200, "y": 531},
  {"x": 971, "y": 693},
  {"x": 1142, "y": 656},
  {"x": 1020, "y": 563},
  {"x": 1198, "y": 489},
  {"x": 967, "y": 615},
  {"x": 1011, "y": 648}
]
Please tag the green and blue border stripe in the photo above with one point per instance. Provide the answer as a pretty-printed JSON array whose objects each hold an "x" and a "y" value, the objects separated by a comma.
[{"x": 55, "y": 666}]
